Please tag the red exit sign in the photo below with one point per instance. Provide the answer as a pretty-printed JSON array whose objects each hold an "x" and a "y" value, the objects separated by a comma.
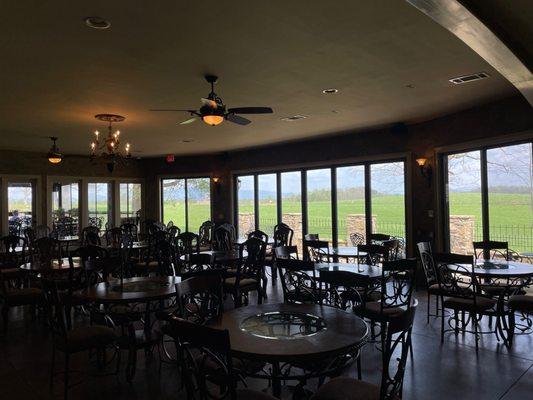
[{"x": 170, "y": 158}]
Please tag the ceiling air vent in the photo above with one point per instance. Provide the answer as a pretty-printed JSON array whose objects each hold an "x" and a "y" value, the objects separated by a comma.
[
  {"x": 294, "y": 118},
  {"x": 469, "y": 78}
]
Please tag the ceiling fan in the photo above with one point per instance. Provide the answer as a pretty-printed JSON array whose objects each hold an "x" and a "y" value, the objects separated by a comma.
[{"x": 213, "y": 111}]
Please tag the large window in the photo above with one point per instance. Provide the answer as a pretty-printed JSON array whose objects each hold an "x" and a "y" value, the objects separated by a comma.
[
  {"x": 351, "y": 219},
  {"x": 65, "y": 207},
  {"x": 268, "y": 209},
  {"x": 245, "y": 205},
  {"x": 99, "y": 202},
  {"x": 186, "y": 202},
  {"x": 388, "y": 198},
  {"x": 130, "y": 202},
  {"x": 333, "y": 202},
  {"x": 319, "y": 203},
  {"x": 20, "y": 206},
  {"x": 489, "y": 196}
]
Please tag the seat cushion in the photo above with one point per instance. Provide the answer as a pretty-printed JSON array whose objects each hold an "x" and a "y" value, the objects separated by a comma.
[
  {"x": 249, "y": 394},
  {"x": 90, "y": 337},
  {"x": 372, "y": 310},
  {"x": 20, "y": 297},
  {"x": 521, "y": 302},
  {"x": 246, "y": 283},
  {"x": 347, "y": 389},
  {"x": 459, "y": 303},
  {"x": 434, "y": 289}
]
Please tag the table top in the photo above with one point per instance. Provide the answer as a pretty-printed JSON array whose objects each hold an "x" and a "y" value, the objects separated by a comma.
[
  {"x": 372, "y": 271},
  {"x": 502, "y": 268},
  {"x": 55, "y": 266},
  {"x": 135, "y": 246},
  {"x": 347, "y": 251},
  {"x": 219, "y": 256},
  {"x": 291, "y": 332},
  {"x": 74, "y": 238},
  {"x": 135, "y": 290},
  {"x": 270, "y": 241}
]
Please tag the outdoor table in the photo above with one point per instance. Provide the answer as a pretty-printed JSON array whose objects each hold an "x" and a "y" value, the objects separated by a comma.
[{"x": 291, "y": 334}]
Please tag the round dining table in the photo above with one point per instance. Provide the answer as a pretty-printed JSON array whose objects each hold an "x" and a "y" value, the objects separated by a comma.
[
  {"x": 221, "y": 257},
  {"x": 287, "y": 335},
  {"x": 501, "y": 269},
  {"x": 54, "y": 266},
  {"x": 370, "y": 271}
]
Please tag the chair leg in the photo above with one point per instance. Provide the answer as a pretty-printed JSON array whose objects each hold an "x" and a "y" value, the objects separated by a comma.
[
  {"x": 5, "y": 312},
  {"x": 442, "y": 326},
  {"x": 429, "y": 301},
  {"x": 359, "y": 372},
  {"x": 456, "y": 319},
  {"x": 474, "y": 321},
  {"x": 511, "y": 327},
  {"x": 52, "y": 367},
  {"x": 66, "y": 375}
]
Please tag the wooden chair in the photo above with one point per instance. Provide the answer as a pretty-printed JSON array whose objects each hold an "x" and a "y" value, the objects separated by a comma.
[
  {"x": 189, "y": 243},
  {"x": 130, "y": 229},
  {"x": 432, "y": 285},
  {"x": 491, "y": 249},
  {"x": 250, "y": 272},
  {"x": 67, "y": 340},
  {"x": 394, "y": 359},
  {"x": 461, "y": 293},
  {"x": 113, "y": 237},
  {"x": 283, "y": 235},
  {"x": 374, "y": 254},
  {"x": 205, "y": 234},
  {"x": 90, "y": 235},
  {"x": 297, "y": 280},
  {"x": 223, "y": 238},
  {"x": 316, "y": 250},
  {"x": 14, "y": 252},
  {"x": 208, "y": 370}
]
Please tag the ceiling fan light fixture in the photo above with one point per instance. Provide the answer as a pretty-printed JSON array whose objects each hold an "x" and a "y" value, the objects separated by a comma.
[
  {"x": 213, "y": 120},
  {"x": 54, "y": 156}
]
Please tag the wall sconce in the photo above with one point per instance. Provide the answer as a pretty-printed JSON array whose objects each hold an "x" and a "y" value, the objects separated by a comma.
[
  {"x": 425, "y": 168},
  {"x": 216, "y": 180}
]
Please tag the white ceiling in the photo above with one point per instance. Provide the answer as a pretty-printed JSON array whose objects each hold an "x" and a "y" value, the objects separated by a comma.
[{"x": 56, "y": 73}]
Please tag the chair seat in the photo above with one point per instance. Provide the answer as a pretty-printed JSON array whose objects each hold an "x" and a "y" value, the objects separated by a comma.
[
  {"x": 521, "y": 302},
  {"x": 372, "y": 310},
  {"x": 459, "y": 303},
  {"x": 244, "y": 284},
  {"x": 249, "y": 394},
  {"x": 90, "y": 337},
  {"x": 347, "y": 389},
  {"x": 20, "y": 297},
  {"x": 434, "y": 289},
  {"x": 310, "y": 295}
]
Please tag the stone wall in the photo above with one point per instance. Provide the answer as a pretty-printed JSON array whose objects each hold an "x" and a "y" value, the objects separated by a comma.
[
  {"x": 246, "y": 223},
  {"x": 355, "y": 223},
  {"x": 294, "y": 220},
  {"x": 461, "y": 233}
]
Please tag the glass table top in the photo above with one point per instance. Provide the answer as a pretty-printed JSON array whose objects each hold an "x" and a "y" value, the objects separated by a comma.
[
  {"x": 142, "y": 286},
  {"x": 281, "y": 325}
]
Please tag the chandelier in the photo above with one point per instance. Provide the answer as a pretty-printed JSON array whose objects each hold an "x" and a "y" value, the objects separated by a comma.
[{"x": 107, "y": 150}]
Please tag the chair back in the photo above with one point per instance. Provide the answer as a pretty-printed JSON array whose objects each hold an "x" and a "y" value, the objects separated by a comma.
[
  {"x": 455, "y": 275},
  {"x": 375, "y": 253},
  {"x": 200, "y": 298},
  {"x": 252, "y": 265},
  {"x": 394, "y": 356},
  {"x": 46, "y": 249},
  {"x": 125, "y": 250},
  {"x": 14, "y": 251},
  {"x": 166, "y": 258},
  {"x": 206, "y": 234},
  {"x": 258, "y": 234},
  {"x": 94, "y": 264},
  {"x": 297, "y": 280},
  {"x": 113, "y": 237},
  {"x": 54, "y": 307},
  {"x": 189, "y": 243},
  {"x": 199, "y": 262},
  {"x": 377, "y": 238},
  {"x": 173, "y": 232},
  {"x": 316, "y": 250},
  {"x": 428, "y": 265},
  {"x": 286, "y": 252},
  {"x": 398, "y": 283},
  {"x": 207, "y": 364},
  {"x": 96, "y": 221},
  {"x": 342, "y": 289},
  {"x": 312, "y": 236},
  {"x": 283, "y": 235},
  {"x": 90, "y": 235},
  {"x": 394, "y": 248},
  {"x": 357, "y": 238},
  {"x": 129, "y": 228},
  {"x": 223, "y": 238},
  {"x": 491, "y": 249}
]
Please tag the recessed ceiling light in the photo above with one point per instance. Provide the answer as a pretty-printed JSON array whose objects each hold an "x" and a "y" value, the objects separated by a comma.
[
  {"x": 410, "y": 86},
  {"x": 97, "y": 23},
  {"x": 330, "y": 91},
  {"x": 469, "y": 78},
  {"x": 187, "y": 140},
  {"x": 293, "y": 118}
]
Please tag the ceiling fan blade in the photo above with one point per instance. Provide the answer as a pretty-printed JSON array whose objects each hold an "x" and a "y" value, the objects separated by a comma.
[
  {"x": 237, "y": 119},
  {"x": 251, "y": 110},
  {"x": 189, "y": 121},
  {"x": 172, "y": 109},
  {"x": 208, "y": 102}
]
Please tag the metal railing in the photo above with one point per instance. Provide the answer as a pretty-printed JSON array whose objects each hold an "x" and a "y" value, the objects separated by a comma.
[{"x": 519, "y": 237}]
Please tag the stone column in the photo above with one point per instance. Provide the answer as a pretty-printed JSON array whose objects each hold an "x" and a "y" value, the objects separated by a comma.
[
  {"x": 294, "y": 220},
  {"x": 246, "y": 223},
  {"x": 461, "y": 234},
  {"x": 356, "y": 223}
]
